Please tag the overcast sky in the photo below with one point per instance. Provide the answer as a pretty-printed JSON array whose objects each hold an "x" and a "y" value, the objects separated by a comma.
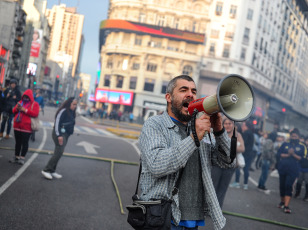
[{"x": 94, "y": 11}]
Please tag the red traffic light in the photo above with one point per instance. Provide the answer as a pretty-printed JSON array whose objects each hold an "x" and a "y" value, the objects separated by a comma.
[
  {"x": 254, "y": 122},
  {"x": 58, "y": 76},
  {"x": 283, "y": 110},
  {"x": 80, "y": 95}
]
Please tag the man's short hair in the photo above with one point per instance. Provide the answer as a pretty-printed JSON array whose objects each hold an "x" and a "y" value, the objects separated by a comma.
[{"x": 172, "y": 83}]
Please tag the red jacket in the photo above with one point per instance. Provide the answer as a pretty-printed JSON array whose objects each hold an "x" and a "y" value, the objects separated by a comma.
[{"x": 32, "y": 110}]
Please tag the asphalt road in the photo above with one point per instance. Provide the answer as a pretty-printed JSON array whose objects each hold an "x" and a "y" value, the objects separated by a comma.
[{"x": 95, "y": 187}]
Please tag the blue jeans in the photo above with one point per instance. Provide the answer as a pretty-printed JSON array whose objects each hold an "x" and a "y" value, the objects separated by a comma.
[
  {"x": 173, "y": 227},
  {"x": 9, "y": 124},
  {"x": 264, "y": 173},
  {"x": 248, "y": 162}
]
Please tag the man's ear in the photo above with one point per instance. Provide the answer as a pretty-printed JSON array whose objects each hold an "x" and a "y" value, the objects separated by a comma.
[{"x": 168, "y": 97}]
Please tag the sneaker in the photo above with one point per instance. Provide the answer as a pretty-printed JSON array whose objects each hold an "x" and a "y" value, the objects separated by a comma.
[
  {"x": 263, "y": 189},
  {"x": 235, "y": 185},
  {"x": 287, "y": 210},
  {"x": 245, "y": 186},
  {"x": 21, "y": 161},
  {"x": 14, "y": 160},
  {"x": 7, "y": 136},
  {"x": 56, "y": 175},
  {"x": 281, "y": 205},
  {"x": 1, "y": 134},
  {"x": 47, "y": 175}
]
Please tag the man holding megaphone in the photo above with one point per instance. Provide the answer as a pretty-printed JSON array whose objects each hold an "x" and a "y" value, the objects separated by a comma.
[{"x": 174, "y": 156}]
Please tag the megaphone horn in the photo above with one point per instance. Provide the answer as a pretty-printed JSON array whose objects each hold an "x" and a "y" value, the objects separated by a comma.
[{"x": 234, "y": 98}]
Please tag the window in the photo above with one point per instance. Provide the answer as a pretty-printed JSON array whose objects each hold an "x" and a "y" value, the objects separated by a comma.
[
  {"x": 187, "y": 70},
  {"x": 107, "y": 80},
  {"x": 160, "y": 20},
  {"x": 214, "y": 33},
  {"x": 229, "y": 32},
  {"x": 136, "y": 66},
  {"x": 151, "y": 67},
  {"x": 109, "y": 63},
  {"x": 219, "y": 8},
  {"x": 119, "y": 81},
  {"x": 142, "y": 18},
  {"x": 154, "y": 44},
  {"x": 149, "y": 85},
  {"x": 212, "y": 48},
  {"x": 226, "y": 51},
  {"x": 194, "y": 27},
  {"x": 133, "y": 83},
  {"x": 176, "y": 23},
  {"x": 232, "y": 12},
  {"x": 246, "y": 36},
  {"x": 138, "y": 41},
  {"x": 164, "y": 87},
  {"x": 249, "y": 14},
  {"x": 243, "y": 54}
]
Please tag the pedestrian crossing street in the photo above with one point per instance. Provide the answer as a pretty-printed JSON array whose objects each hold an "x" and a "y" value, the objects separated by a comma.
[{"x": 80, "y": 129}]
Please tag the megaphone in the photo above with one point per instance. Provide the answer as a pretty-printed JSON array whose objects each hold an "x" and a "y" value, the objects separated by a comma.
[{"x": 234, "y": 98}]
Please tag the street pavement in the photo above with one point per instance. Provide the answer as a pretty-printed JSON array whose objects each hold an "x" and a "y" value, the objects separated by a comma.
[{"x": 99, "y": 177}]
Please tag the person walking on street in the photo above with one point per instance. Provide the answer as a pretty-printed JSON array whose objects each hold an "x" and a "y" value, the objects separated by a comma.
[
  {"x": 303, "y": 175},
  {"x": 268, "y": 157},
  {"x": 221, "y": 176},
  {"x": 290, "y": 153},
  {"x": 248, "y": 137},
  {"x": 12, "y": 95},
  {"x": 63, "y": 128},
  {"x": 2, "y": 98},
  {"x": 23, "y": 111},
  {"x": 40, "y": 100},
  {"x": 173, "y": 150}
]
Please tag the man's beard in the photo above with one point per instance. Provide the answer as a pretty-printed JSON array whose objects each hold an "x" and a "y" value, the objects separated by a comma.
[{"x": 176, "y": 108}]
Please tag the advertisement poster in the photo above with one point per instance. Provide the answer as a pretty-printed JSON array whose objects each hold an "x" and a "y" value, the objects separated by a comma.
[
  {"x": 114, "y": 96},
  {"x": 36, "y": 43},
  {"x": 31, "y": 70}
]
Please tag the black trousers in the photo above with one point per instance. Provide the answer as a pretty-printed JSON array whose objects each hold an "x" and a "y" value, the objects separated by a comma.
[{"x": 21, "y": 143}]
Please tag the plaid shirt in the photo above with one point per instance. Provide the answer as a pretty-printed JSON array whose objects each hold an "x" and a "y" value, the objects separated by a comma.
[{"x": 164, "y": 153}]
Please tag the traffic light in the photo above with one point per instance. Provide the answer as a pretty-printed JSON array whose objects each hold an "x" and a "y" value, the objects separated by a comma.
[
  {"x": 255, "y": 122},
  {"x": 34, "y": 83},
  {"x": 80, "y": 95},
  {"x": 283, "y": 110}
]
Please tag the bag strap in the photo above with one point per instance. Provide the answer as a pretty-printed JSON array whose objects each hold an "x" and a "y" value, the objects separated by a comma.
[{"x": 175, "y": 188}]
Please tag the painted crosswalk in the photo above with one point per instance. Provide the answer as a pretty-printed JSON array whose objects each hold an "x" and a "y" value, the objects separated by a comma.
[{"x": 80, "y": 129}]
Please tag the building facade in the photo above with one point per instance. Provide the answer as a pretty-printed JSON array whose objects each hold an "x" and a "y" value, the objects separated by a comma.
[
  {"x": 264, "y": 41},
  {"x": 144, "y": 44},
  {"x": 66, "y": 35}
]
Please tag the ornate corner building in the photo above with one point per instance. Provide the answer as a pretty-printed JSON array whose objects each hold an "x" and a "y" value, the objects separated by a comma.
[{"x": 144, "y": 43}]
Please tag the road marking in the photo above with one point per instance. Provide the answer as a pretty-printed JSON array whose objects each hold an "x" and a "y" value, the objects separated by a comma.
[
  {"x": 88, "y": 130},
  {"x": 10, "y": 181},
  {"x": 89, "y": 147}
]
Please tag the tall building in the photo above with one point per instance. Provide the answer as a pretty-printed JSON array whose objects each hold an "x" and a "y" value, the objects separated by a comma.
[
  {"x": 265, "y": 42},
  {"x": 38, "y": 41},
  {"x": 143, "y": 45},
  {"x": 65, "y": 37}
]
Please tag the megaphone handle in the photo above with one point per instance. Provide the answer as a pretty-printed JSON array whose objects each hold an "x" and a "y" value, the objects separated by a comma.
[
  {"x": 193, "y": 128},
  {"x": 233, "y": 145}
]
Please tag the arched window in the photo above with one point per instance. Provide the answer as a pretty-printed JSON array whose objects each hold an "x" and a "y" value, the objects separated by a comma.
[{"x": 187, "y": 70}]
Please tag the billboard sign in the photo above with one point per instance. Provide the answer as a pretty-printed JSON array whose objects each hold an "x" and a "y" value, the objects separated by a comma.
[
  {"x": 36, "y": 43},
  {"x": 31, "y": 70},
  {"x": 114, "y": 96}
]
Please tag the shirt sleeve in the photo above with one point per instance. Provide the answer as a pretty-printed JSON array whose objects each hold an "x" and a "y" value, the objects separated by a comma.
[{"x": 58, "y": 123}]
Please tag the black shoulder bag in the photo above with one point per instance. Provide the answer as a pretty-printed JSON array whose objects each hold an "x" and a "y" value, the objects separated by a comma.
[{"x": 153, "y": 214}]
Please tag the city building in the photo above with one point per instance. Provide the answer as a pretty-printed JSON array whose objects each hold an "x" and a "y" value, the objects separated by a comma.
[
  {"x": 143, "y": 45},
  {"x": 38, "y": 42},
  {"x": 12, "y": 27},
  {"x": 65, "y": 37},
  {"x": 265, "y": 42}
]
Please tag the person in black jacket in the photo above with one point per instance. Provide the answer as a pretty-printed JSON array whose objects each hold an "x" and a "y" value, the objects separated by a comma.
[
  {"x": 63, "y": 128},
  {"x": 1, "y": 100},
  {"x": 11, "y": 96}
]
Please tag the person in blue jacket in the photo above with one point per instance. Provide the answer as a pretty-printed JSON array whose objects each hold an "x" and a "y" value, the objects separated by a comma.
[
  {"x": 290, "y": 153},
  {"x": 303, "y": 176}
]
